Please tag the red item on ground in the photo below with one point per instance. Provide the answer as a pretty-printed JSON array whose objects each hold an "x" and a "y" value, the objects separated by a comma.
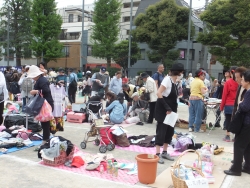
[
  {"x": 105, "y": 137},
  {"x": 77, "y": 161},
  {"x": 104, "y": 164}
]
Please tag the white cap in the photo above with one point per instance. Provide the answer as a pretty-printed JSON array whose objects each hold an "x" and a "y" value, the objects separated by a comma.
[
  {"x": 27, "y": 66},
  {"x": 190, "y": 74},
  {"x": 134, "y": 95}
]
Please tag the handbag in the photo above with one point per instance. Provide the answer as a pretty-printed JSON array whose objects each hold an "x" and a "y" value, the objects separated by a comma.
[
  {"x": 34, "y": 105},
  {"x": 237, "y": 122},
  {"x": 14, "y": 88},
  {"x": 45, "y": 113},
  {"x": 122, "y": 140}
]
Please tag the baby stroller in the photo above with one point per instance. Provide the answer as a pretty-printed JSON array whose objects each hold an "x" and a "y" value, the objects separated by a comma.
[
  {"x": 94, "y": 131},
  {"x": 94, "y": 110}
]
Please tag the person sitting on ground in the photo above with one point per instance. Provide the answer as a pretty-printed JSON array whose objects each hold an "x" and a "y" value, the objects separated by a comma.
[
  {"x": 128, "y": 90},
  {"x": 139, "y": 106},
  {"x": 11, "y": 108},
  {"x": 118, "y": 108}
]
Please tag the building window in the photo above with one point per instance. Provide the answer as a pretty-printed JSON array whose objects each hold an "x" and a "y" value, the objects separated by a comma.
[
  {"x": 143, "y": 54},
  {"x": 127, "y": 18},
  {"x": 71, "y": 18},
  {"x": 74, "y": 35},
  {"x": 183, "y": 54},
  {"x": 79, "y": 18},
  {"x": 65, "y": 51},
  {"x": 89, "y": 51},
  {"x": 200, "y": 30},
  {"x": 127, "y": 32},
  {"x": 127, "y": 5}
]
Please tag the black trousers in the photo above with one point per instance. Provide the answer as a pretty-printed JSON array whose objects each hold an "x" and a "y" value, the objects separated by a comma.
[
  {"x": 242, "y": 149},
  {"x": 151, "y": 112},
  {"x": 1, "y": 112},
  {"x": 46, "y": 127},
  {"x": 72, "y": 94},
  {"x": 228, "y": 118},
  {"x": 164, "y": 134}
]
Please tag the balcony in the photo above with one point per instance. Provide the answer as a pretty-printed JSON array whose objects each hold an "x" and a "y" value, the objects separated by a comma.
[{"x": 69, "y": 36}]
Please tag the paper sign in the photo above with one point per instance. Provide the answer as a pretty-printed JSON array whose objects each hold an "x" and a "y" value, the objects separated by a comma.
[
  {"x": 171, "y": 119},
  {"x": 150, "y": 156},
  {"x": 197, "y": 183}
]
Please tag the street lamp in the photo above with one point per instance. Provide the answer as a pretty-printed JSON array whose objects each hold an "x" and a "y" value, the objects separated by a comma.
[
  {"x": 130, "y": 31},
  {"x": 189, "y": 34}
]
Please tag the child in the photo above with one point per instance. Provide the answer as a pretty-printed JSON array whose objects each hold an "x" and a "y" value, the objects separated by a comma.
[{"x": 11, "y": 108}]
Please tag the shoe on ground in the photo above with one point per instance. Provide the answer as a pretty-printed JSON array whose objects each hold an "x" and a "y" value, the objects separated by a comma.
[
  {"x": 140, "y": 123},
  {"x": 232, "y": 173},
  {"x": 167, "y": 156},
  {"x": 224, "y": 128},
  {"x": 200, "y": 131},
  {"x": 245, "y": 170},
  {"x": 190, "y": 130},
  {"x": 160, "y": 161},
  {"x": 210, "y": 125},
  {"x": 227, "y": 138}
]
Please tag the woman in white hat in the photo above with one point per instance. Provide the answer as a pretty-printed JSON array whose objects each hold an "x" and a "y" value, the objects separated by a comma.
[{"x": 42, "y": 86}]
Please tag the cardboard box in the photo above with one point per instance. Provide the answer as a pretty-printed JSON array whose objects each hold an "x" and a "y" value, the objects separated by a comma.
[{"x": 76, "y": 117}]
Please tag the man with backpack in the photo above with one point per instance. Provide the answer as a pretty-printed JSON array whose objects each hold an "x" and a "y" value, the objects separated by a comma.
[
  {"x": 26, "y": 85},
  {"x": 159, "y": 75},
  {"x": 72, "y": 86}
]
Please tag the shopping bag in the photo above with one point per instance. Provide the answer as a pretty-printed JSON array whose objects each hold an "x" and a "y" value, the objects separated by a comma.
[
  {"x": 34, "y": 105},
  {"x": 45, "y": 113}
]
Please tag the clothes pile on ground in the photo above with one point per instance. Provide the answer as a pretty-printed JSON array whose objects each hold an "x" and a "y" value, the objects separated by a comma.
[{"x": 142, "y": 140}]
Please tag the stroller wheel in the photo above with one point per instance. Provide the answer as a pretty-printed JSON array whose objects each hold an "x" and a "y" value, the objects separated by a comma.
[
  {"x": 103, "y": 149},
  {"x": 97, "y": 142},
  {"x": 83, "y": 145},
  {"x": 110, "y": 147}
]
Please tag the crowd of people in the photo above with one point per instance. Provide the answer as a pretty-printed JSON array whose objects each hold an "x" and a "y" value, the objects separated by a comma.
[{"x": 152, "y": 97}]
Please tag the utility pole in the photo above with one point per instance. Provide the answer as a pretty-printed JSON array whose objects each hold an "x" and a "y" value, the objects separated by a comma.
[
  {"x": 189, "y": 34},
  {"x": 42, "y": 40},
  {"x": 8, "y": 38},
  {"x": 130, "y": 31},
  {"x": 83, "y": 46}
]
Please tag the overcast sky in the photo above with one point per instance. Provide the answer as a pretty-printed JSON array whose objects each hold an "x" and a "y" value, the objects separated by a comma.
[{"x": 64, "y": 3}]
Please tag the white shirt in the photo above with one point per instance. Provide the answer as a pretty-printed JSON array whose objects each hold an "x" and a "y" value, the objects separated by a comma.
[{"x": 166, "y": 82}]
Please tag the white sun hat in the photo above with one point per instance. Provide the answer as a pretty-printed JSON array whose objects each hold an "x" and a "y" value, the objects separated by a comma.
[{"x": 34, "y": 71}]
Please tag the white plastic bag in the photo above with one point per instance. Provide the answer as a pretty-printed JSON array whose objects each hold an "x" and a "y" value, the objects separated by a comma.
[{"x": 135, "y": 119}]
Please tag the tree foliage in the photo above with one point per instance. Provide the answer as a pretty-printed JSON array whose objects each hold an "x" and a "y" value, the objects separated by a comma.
[
  {"x": 161, "y": 26},
  {"x": 46, "y": 27},
  {"x": 228, "y": 31},
  {"x": 19, "y": 28},
  {"x": 106, "y": 17},
  {"x": 121, "y": 53}
]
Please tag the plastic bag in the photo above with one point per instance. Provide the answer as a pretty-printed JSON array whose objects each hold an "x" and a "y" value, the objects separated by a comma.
[
  {"x": 135, "y": 119},
  {"x": 34, "y": 105},
  {"x": 45, "y": 113}
]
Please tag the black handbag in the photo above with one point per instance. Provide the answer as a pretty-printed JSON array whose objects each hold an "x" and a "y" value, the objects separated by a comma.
[
  {"x": 237, "y": 122},
  {"x": 34, "y": 105},
  {"x": 14, "y": 88}
]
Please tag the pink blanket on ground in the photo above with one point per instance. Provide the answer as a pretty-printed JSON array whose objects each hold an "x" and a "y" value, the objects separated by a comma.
[
  {"x": 147, "y": 150},
  {"x": 123, "y": 177}
]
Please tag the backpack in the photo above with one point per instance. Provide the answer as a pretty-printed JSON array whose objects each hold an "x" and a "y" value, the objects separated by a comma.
[
  {"x": 158, "y": 77},
  {"x": 73, "y": 83},
  {"x": 27, "y": 85}
]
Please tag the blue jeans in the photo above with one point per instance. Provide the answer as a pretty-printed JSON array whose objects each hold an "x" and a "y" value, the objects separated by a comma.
[
  {"x": 24, "y": 103},
  {"x": 195, "y": 114}
]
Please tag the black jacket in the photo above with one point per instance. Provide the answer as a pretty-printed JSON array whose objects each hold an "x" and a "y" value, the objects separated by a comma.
[
  {"x": 42, "y": 84},
  {"x": 236, "y": 99}
]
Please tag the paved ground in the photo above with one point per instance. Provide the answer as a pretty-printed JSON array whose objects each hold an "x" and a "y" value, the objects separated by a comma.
[{"x": 21, "y": 169}]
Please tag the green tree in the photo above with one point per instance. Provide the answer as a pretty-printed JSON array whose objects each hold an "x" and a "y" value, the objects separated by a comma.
[
  {"x": 20, "y": 28},
  {"x": 171, "y": 58},
  {"x": 161, "y": 26},
  {"x": 46, "y": 28},
  {"x": 121, "y": 53},
  {"x": 228, "y": 31},
  {"x": 106, "y": 17}
]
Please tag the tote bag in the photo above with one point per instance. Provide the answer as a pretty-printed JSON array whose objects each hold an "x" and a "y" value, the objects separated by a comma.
[
  {"x": 45, "y": 113},
  {"x": 34, "y": 105}
]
